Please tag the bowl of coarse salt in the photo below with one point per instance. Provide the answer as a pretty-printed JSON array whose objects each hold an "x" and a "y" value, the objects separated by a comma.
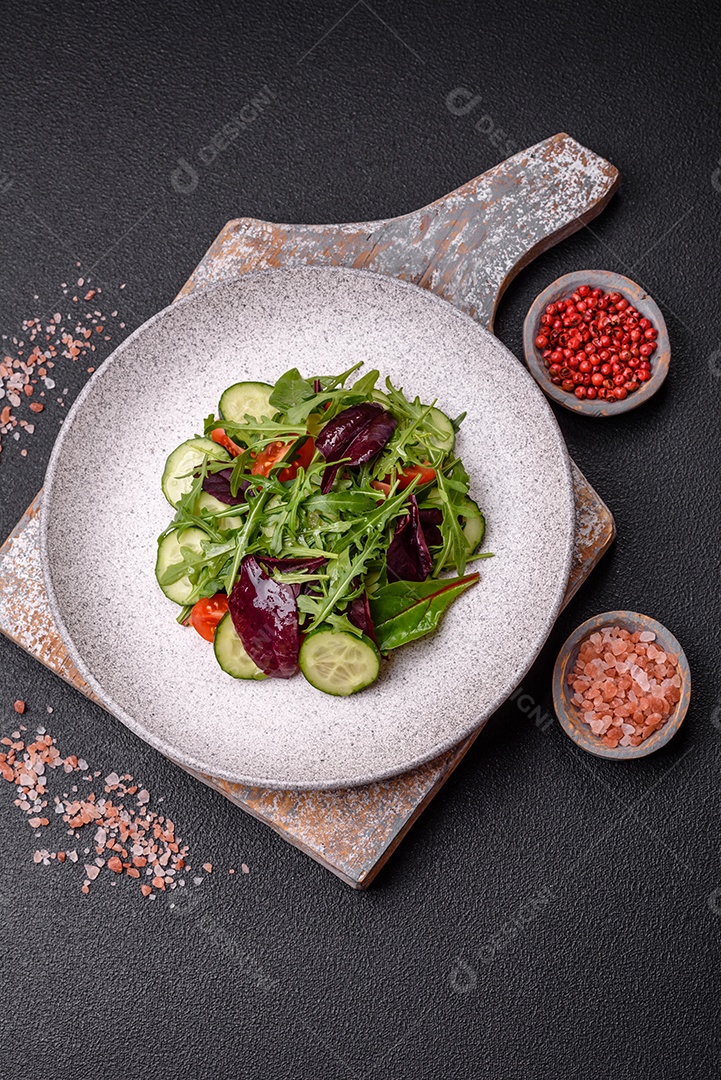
[{"x": 621, "y": 685}]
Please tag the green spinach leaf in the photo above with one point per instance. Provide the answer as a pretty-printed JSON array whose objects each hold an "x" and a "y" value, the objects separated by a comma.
[{"x": 407, "y": 610}]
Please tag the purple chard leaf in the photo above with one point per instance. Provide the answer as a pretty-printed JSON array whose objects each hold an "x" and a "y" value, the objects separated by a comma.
[
  {"x": 265, "y": 616},
  {"x": 430, "y": 523},
  {"x": 408, "y": 557},
  {"x": 357, "y": 434},
  {"x": 290, "y": 565},
  {"x": 218, "y": 485},
  {"x": 359, "y": 613}
]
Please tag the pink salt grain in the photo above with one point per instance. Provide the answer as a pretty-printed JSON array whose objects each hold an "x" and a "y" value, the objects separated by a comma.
[{"x": 625, "y": 687}]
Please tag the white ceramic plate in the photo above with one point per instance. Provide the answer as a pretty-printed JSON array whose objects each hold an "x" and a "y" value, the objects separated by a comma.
[{"x": 103, "y": 509}]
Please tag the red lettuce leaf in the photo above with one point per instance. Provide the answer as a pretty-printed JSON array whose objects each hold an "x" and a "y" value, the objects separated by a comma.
[{"x": 265, "y": 616}]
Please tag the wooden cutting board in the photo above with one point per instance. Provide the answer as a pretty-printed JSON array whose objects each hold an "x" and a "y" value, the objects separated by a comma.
[{"x": 466, "y": 247}]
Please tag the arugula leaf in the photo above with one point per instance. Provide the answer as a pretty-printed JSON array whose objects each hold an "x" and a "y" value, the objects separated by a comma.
[
  {"x": 452, "y": 489},
  {"x": 357, "y": 502},
  {"x": 330, "y": 382},
  {"x": 367, "y": 383},
  {"x": 368, "y": 536},
  {"x": 407, "y": 610}
]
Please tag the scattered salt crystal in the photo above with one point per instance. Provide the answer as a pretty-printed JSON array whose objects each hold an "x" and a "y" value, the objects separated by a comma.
[
  {"x": 143, "y": 796},
  {"x": 245, "y": 868},
  {"x": 112, "y": 779},
  {"x": 197, "y": 881},
  {"x": 91, "y": 871}
]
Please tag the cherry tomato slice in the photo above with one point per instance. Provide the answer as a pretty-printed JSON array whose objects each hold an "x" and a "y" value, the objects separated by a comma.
[
  {"x": 220, "y": 437},
  {"x": 410, "y": 472},
  {"x": 275, "y": 452},
  {"x": 267, "y": 458},
  {"x": 406, "y": 477},
  {"x": 207, "y": 613},
  {"x": 303, "y": 456}
]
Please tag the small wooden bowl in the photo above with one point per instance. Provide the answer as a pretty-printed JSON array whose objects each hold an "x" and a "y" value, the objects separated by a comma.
[
  {"x": 603, "y": 279},
  {"x": 567, "y": 713}
]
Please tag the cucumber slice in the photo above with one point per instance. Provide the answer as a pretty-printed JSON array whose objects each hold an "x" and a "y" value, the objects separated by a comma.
[
  {"x": 339, "y": 663},
  {"x": 474, "y": 524},
  {"x": 169, "y": 555},
  {"x": 443, "y": 435},
  {"x": 472, "y": 519},
  {"x": 246, "y": 399},
  {"x": 182, "y": 463},
  {"x": 215, "y": 506},
  {"x": 231, "y": 655}
]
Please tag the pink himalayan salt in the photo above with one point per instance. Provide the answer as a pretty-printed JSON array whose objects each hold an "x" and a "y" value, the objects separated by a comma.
[{"x": 625, "y": 687}]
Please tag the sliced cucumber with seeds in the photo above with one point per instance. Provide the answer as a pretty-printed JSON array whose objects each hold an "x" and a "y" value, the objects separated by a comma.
[
  {"x": 443, "y": 434},
  {"x": 231, "y": 655},
  {"x": 208, "y": 502},
  {"x": 168, "y": 567},
  {"x": 183, "y": 462},
  {"x": 246, "y": 399},
  {"x": 339, "y": 663},
  {"x": 474, "y": 524}
]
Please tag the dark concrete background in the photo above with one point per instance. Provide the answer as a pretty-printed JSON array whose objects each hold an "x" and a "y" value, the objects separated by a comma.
[{"x": 552, "y": 915}]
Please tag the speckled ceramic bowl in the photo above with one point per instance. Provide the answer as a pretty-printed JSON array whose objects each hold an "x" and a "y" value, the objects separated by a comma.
[
  {"x": 567, "y": 712},
  {"x": 609, "y": 282},
  {"x": 103, "y": 510}
]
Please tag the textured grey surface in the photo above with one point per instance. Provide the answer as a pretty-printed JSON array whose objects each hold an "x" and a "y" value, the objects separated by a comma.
[
  {"x": 103, "y": 510},
  {"x": 452, "y": 965}
]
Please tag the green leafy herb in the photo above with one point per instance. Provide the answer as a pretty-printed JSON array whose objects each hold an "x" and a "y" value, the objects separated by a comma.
[{"x": 407, "y": 610}]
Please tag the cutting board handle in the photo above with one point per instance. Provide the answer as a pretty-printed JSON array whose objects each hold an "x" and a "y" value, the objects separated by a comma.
[{"x": 466, "y": 247}]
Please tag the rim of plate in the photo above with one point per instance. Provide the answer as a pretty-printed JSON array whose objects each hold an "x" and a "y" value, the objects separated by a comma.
[{"x": 176, "y": 754}]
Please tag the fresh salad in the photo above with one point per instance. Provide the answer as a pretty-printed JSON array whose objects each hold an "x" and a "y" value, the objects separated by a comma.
[{"x": 314, "y": 520}]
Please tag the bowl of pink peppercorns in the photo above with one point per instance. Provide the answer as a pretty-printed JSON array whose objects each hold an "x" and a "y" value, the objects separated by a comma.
[{"x": 596, "y": 343}]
